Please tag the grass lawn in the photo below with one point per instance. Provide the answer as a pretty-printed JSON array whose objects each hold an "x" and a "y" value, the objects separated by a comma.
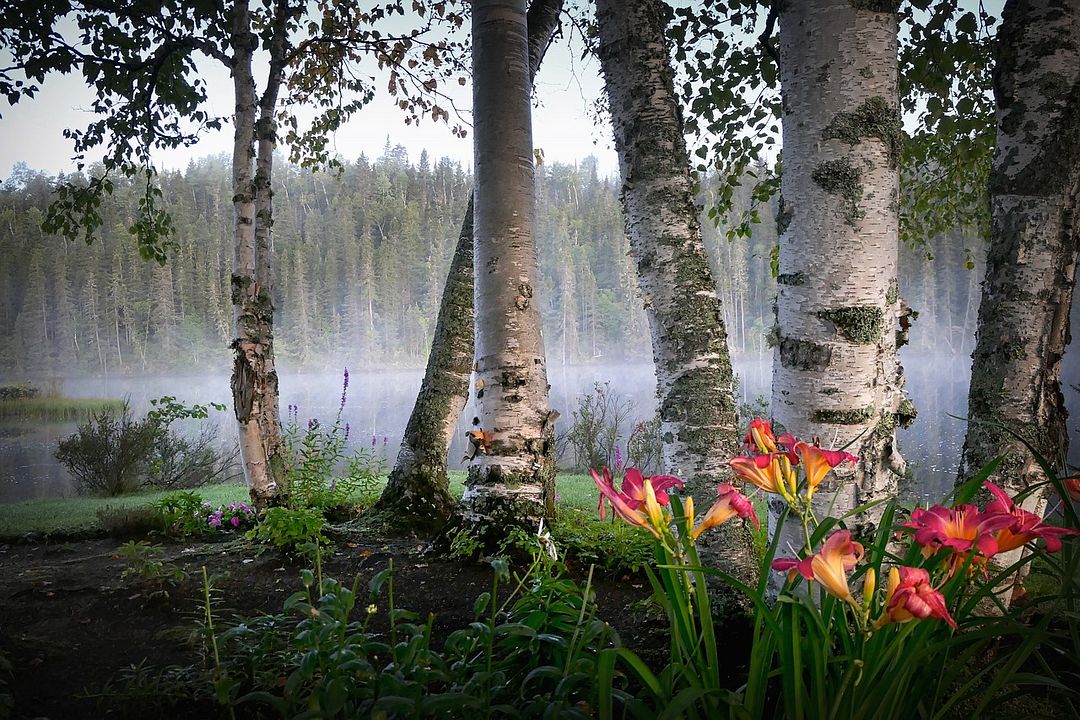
[{"x": 72, "y": 514}]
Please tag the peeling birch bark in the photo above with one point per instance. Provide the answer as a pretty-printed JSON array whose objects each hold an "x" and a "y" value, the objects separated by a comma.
[
  {"x": 1027, "y": 292},
  {"x": 689, "y": 342},
  {"x": 835, "y": 374},
  {"x": 254, "y": 379}
]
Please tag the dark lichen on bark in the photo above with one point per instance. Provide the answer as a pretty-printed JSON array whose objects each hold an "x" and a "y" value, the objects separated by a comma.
[
  {"x": 851, "y": 416},
  {"x": 861, "y": 324},
  {"x": 792, "y": 279},
  {"x": 840, "y": 177},
  {"x": 804, "y": 355},
  {"x": 784, "y": 214},
  {"x": 873, "y": 118}
]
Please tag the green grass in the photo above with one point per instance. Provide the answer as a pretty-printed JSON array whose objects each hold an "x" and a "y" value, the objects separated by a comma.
[
  {"x": 55, "y": 409},
  {"x": 572, "y": 491},
  {"x": 75, "y": 514}
]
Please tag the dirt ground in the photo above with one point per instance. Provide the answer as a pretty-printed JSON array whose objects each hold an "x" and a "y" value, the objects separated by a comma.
[{"x": 69, "y": 623}]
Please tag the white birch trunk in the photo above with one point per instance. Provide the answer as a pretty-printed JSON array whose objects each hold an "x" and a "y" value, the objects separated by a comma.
[
  {"x": 836, "y": 375},
  {"x": 512, "y": 484},
  {"x": 689, "y": 342},
  {"x": 1023, "y": 327}
]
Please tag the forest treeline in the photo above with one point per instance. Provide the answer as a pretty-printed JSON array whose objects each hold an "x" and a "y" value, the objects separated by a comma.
[{"x": 361, "y": 260}]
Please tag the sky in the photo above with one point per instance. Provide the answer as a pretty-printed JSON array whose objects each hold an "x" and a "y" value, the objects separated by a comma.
[{"x": 564, "y": 126}]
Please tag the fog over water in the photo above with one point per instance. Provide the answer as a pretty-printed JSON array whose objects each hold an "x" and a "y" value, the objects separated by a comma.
[{"x": 379, "y": 404}]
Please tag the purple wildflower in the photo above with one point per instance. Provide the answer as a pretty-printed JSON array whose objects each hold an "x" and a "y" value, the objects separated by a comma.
[
  {"x": 385, "y": 439},
  {"x": 346, "y": 431},
  {"x": 214, "y": 520},
  {"x": 313, "y": 424},
  {"x": 618, "y": 458},
  {"x": 374, "y": 441},
  {"x": 235, "y": 521},
  {"x": 344, "y": 389}
]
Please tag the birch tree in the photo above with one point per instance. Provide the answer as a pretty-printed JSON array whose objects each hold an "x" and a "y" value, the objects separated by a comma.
[
  {"x": 511, "y": 476},
  {"x": 142, "y": 67},
  {"x": 689, "y": 341},
  {"x": 418, "y": 490},
  {"x": 1023, "y": 326},
  {"x": 836, "y": 376}
]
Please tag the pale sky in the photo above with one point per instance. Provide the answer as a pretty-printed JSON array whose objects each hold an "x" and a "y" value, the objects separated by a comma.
[{"x": 563, "y": 127}]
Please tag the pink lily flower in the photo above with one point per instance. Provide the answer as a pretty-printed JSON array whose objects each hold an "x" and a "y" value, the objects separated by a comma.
[
  {"x": 628, "y": 500},
  {"x": 962, "y": 529},
  {"x": 763, "y": 471},
  {"x": 910, "y": 596},
  {"x": 1026, "y": 526}
]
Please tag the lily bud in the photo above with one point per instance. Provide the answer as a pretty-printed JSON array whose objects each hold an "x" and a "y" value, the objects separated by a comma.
[{"x": 868, "y": 587}]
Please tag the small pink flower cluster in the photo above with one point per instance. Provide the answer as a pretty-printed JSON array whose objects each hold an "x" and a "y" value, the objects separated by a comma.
[{"x": 234, "y": 515}]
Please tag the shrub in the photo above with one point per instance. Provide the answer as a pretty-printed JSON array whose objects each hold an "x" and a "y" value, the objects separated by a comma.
[
  {"x": 112, "y": 453},
  {"x": 108, "y": 453},
  {"x": 613, "y": 546},
  {"x": 597, "y": 423},
  {"x": 645, "y": 448},
  {"x": 185, "y": 513},
  {"x": 144, "y": 561},
  {"x": 21, "y": 391}
]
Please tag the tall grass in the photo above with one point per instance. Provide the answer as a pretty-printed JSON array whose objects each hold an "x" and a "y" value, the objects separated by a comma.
[{"x": 54, "y": 408}]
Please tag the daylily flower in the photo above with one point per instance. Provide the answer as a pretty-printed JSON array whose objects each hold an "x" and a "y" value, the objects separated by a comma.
[
  {"x": 1026, "y": 526},
  {"x": 1072, "y": 487},
  {"x": 766, "y": 472},
  {"x": 818, "y": 463},
  {"x": 759, "y": 437},
  {"x": 962, "y": 529},
  {"x": 910, "y": 595},
  {"x": 838, "y": 556},
  {"x": 634, "y": 493},
  {"x": 729, "y": 504}
]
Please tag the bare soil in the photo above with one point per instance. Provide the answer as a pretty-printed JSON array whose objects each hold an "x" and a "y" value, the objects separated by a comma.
[{"x": 69, "y": 623}]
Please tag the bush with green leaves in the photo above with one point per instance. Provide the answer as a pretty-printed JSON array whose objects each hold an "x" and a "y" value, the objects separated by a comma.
[
  {"x": 109, "y": 452},
  {"x": 596, "y": 426},
  {"x": 112, "y": 453},
  {"x": 20, "y": 391},
  {"x": 144, "y": 561},
  {"x": 185, "y": 513},
  {"x": 289, "y": 529}
]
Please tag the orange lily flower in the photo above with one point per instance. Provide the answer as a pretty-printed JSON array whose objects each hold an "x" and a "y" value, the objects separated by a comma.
[
  {"x": 763, "y": 471},
  {"x": 759, "y": 437},
  {"x": 818, "y": 463},
  {"x": 910, "y": 596},
  {"x": 731, "y": 503},
  {"x": 838, "y": 556}
]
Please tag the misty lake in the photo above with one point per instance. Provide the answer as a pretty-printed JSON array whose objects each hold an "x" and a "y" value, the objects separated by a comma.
[{"x": 379, "y": 404}]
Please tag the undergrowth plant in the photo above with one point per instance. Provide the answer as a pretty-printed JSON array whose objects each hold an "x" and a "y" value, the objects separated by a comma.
[
  {"x": 349, "y": 650},
  {"x": 322, "y": 473}
]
